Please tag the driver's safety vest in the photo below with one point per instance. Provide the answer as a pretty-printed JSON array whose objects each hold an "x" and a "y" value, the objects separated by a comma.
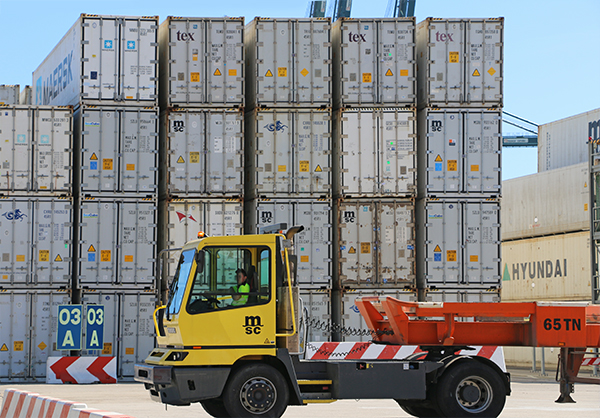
[{"x": 243, "y": 288}]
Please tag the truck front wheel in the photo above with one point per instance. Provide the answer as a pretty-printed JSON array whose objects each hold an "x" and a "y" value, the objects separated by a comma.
[
  {"x": 215, "y": 408},
  {"x": 256, "y": 390}
]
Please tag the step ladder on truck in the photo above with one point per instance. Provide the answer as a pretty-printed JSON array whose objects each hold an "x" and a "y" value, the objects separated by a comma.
[{"x": 230, "y": 341}]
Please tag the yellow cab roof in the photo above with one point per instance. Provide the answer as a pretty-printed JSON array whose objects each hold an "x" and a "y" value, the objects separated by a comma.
[{"x": 263, "y": 239}]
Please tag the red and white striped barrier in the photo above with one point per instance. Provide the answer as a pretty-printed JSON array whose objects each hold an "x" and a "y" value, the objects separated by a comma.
[
  {"x": 13, "y": 402},
  {"x": 591, "y": 361},
  {"x": 81, "y": 370},
  {"x": 21, "y": 404},
  {"x": 95, "y": 413},
  {"x": 370, "y": 351}
]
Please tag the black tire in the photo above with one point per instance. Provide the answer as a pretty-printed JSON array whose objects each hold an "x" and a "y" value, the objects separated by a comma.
[
  {"x": 470, "y": 388},
  {"x": 215, "y": 408},
  {"x": 417, "y": 410},
  {"x": 256, "y": 390}
]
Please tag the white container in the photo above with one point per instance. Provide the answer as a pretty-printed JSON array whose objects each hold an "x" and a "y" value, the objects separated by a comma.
[
  {"x": 375, "y": 152},
  {"x": 530, "y": 207},
  {"x": 288, "y": 62},
  {"x": 374, "y": 62},
  {"x": 312, "y": 246},
  {"x": 38, "y": 251},
  {"x": 14, "y": 333},
  {"x": 102, "y": 60},
  {"x": 202, "y": 62},
  {"x": 555, "y": 267},
  {"x": 352, "y": 320},
  {"x": 317, "y": 304},
  {"x": 374, "y": 244},
  {"x": 288, "y": 153},
  {"x": 26, "y": 96},
  {"x": 458, "y": 244},
  {"x": 203, "y": 153},
  {"x": 462, "y": 295},
  {"x": 9, "y": 94},
  {"x": 36, "y": 150},
  {"x": 565, "y": 141},
  {"x": 459, "y": 152},
  {"x": 461, "y": 62},
  {"x": 117, "y": 243},
  {"x": 118, "y": 150}
]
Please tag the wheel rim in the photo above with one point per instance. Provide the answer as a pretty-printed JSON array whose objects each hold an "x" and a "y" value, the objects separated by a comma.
[
  {"x": 474, "y": 394},
  {"x": 258, "y": 395}
]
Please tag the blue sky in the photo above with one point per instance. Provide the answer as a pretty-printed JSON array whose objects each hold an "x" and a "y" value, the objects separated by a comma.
[{"x": 552, "y": 47}]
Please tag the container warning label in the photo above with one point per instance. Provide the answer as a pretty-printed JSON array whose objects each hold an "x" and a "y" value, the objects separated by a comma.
[
  {"x": 42, "y": 346},
  {"x": 452, "y": 165},
  {"x": 269, "y": 74},
  {"x": 232, "y": 73},
  {"x": 476, "y": 73},
  {"x": 129, "y": 259},
  {"x": 475, "y": 167},
  {"x": 389, "y": 73},
  {"x": 44, "y": 255},
  {"x": 366, "y": 77},
  {"x": 18, "y": 345},
  {"x": 217, "y": 72},
  {"x": 180, "y": 160},
  {"x": 365, "y": 247},
  {"x": 94, "y": 157},
  {"x": 304, "y": 72},
  {"x": 4, "y": 347},
  {"x": 130, "y": 167},
  {"x": 194, "y": 157},
  {"x": 105, "y": 255},
  {"x": 107, "y": 348},
  {"x": 282, "y": 168},
  {"x": 107, "y": 164},
  {"x": 318, "y": 169},
  {"x": 404, "y": 73},
  {"x": 437, "y": 253},
  {"x": 304, "y": 166},
  {"x": 58, "y": 258},
  {"x": 20, "y": 258},
  {"x": 491, "y": 71},
  {"x": 438, "y": 159},
  {"x": 352, "y": 250},
  {"x": 129, "y": 351},
  {"x": 282, "y": 72},
  {"x": 453, "y": 56},
  {"x": 474, "y": 258},
  {"x": 91, "y": 249},
  {"x": 451, "y": 255},
  {"x": 194, "y": 77},
  {"x": 304, "y": 259}
]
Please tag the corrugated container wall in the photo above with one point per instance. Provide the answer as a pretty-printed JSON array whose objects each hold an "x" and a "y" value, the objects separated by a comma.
[
  {"x": 9, "y": 94},
  {"x": 374, "y": 62},
  {"x": 288, "y": 153},
  {"x": 25, "y": 98},
  {"x": 546, "y": 203},
  {"x": 312, "y": 246},
  {"x": 118, "y": 151},
  {"x": 203, "y": 153},
  {"x": 375, "y": 244},
  {"x": 565, "y": 141},
  {"x": 288, "y": 63},
  {"x": 461, "y": 62},
  {"x": 375, "y": 152},
  {"x": 555, "y": 267},
  {"x": 317, "y": 311},
  {"x": 458, "y": 244},
  {"x": 102, "y": 60},
  {"x": 202, "y": 62},
  {"x": 117, "y": 243},
  {"x": 39, "y": 249},
  {"x": 37, "y": 150},
  {"x": 459, "y": 152}
]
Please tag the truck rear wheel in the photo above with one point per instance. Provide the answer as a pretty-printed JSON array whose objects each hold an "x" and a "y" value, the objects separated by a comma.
[
  {"x": 256, "y": 390},
  {"x": 469, "y": 388},
  {"x": 417, "y": 410},
  {"x": 215, "y": 408}
]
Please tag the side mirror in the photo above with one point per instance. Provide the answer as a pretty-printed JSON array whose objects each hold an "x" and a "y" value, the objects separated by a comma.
[{"x": 200, "y": 261}]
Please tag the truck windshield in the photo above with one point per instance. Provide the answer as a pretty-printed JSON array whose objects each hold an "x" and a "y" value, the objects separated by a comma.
[{"x": 180, "y": 281}]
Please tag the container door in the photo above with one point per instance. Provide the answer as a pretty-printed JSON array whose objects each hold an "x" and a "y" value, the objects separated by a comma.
[
  {"x": 16, "y": 149},
  {"x": 396, "y": 68},
  {"x": 272, "y": 213},
  {"x": 223, "y": 218},
  {"x": 139, "y": 144},
  {"x": 187, "y": 61},
  {"x": 137, "y": 229},
  {"x": 486, "y": 296},
  {"x": 444, "y": 152},
  {"x": 397, "y": 149},
  {"x": 359, "y": 62},
  {"x": 274, "y": 138},
  {"x": 446, "y": 62},
  {"x": 186, "y": 152},
  {"x": 317, "y": 303},
  {"x": 483, "y": 142},
  {"x": 357, "y": 237},
  {"x": 352, "y": 321},
  {"x": 100, "y": 68},
  {"x": 110, "y": 301},
  {"x": 313, "y": 245},
  {"x": 443, "y": 244},
  {"x": 275, "y": 76},
  {"x": 139, "y": 60},
  {"x": 52, "y": 243},
  {"x": 16, "y": 222},
  {"x": 312, "y": 159},
  {"x": 14, "y": 335},
  {"x": 185, "y": 220},
  {"x": 395, "y": 251},
  {"x": 136, "y": 331},
  {"x": 225, "y": 63},
  {"x": 312, "y": 66},
  {"x": 482, "y": 244},
  {"x": 99, "y": 150},
  {"x": 484, "y": 63},
  {"x": 224, "y": 152},
  {"x": 53, "y": 144},
  {"x": 443, "y": 296},
  {"x": 359, "y": 153},
  {"x": 98, "y": 243}
]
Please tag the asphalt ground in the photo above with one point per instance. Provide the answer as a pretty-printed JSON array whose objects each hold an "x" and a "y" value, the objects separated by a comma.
[{"x": 532, "y": 396}]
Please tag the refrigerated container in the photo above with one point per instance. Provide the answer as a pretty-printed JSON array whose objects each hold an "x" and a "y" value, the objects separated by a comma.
[
  {"x": 374, "y": 243},
  {"x": 461, "y": 62},
  {"x": 312, "y": 246},
  {"x": 203, "y": 153},
  {"x": 15, "y": 325},
  {"x": 317, "y": 311},
  {"x": 117, "y": 242},
  {"x": 118, "y": 151},
  {"x": 462, "y": 295},
  {"x": 458, "y": 243},
  {"x": 202, "y": 62},
  {"x": 102, "y": 60},
  {"x": 459, "y": 152},
  {"x": 288, "y": 153},
  {"x": 26, "y": 96},
  {"x": 9, "y": 94},
  {"x": 288, "y": 62},
  {"x": 374, "y": 62},
  {"x": 375, "y": 152}
]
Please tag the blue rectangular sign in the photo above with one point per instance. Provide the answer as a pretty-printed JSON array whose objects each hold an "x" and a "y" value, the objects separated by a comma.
[
  {"x": 68, "y": 336},
  {"x": 94, "y": 329}
]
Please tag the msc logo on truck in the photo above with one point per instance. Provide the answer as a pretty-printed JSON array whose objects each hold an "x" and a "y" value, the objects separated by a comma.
[
  {"x": 253, "y": 325},
  {"x": 15, "y": 215}
]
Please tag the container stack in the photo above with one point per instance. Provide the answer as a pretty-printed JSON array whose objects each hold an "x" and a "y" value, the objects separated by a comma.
[
  {"x": 106, "y": 67},
  {"x": 460, "y": 82},
  {"x": 374, "y": 162},
  {"x": 9, "y": 94},
  {"x": 288, "y": 145}
]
